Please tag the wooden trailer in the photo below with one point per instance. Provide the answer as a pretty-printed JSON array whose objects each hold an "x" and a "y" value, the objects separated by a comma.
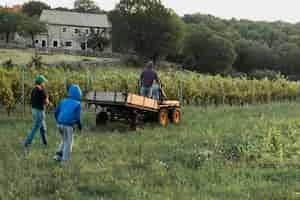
[{"x": 133, "y": 109}]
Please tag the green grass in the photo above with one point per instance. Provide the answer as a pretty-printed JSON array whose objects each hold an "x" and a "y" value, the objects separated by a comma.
[
  {"x": 25, "y": 56},
  {"x": 216, "y": 153}
]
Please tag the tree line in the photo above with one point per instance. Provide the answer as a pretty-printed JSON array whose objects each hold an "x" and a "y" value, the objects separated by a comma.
[
  {"x": 205, "y": 43},
  {"x": 243, "y": 45}
]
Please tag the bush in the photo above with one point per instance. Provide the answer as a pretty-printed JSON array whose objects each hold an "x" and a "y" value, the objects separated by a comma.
[
  {"x": 8, "y": 63},
  {"x": 238, "y": 75},
  {"x": 262, "y": 74},
  {"x": 36, "y": 61}
]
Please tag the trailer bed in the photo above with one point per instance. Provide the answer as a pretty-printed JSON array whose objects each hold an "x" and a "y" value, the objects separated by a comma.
[
  {"x": 133, "y": 108},
  {"x": 122, "y": 99}
]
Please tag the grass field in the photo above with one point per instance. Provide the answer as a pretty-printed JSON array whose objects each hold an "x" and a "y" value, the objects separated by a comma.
[
  {"x": 216, "y": 153},
  {"x": 25, "y": 56}
]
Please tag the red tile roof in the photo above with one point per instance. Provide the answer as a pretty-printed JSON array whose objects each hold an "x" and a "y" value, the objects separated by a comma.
[{"x": 15, "y": 8}]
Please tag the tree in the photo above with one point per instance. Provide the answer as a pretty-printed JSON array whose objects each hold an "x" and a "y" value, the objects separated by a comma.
[
  {"x": 288, "y": 58},
  {"x": 98, "y": 41},
  {"x": 9, "y": 23},
  {"x": 252, "y": 56},
  {"x": 120, "y": 42},
  {"x": 210, "y": 21},
  {"x": 207, "y": 52},
  {"x": 32, "y": 26},
  {"x": 148, "y": 28},
  {"x": 271, "y": 36},
  {"x": 34, "y": 8},
  {"x": 86, "y": 6}
]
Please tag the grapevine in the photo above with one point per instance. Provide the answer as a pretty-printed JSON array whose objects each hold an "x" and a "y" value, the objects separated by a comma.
[{"x": 197, "y": 89}]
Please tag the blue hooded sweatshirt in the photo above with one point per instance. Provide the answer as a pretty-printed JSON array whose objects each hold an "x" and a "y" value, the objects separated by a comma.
[{"x": 69, "y": 110}]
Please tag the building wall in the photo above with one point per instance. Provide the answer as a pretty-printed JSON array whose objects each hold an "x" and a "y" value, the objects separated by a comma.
[
  {"x": 41, "y": 41},
  {"x": 3, "y": 37},
  {"x": 65, "y": 37}
]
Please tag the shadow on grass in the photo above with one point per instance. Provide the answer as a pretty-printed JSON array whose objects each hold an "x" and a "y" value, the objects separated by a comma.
[{"x": 110, "y": 128}]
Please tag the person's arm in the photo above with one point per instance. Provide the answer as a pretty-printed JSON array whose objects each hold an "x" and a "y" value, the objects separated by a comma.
[
  {"x": 141, "y": 79},
  {"x": 46, "y": 98},
  {"x": 142, "y": 76},
  {"x": 157, "y": 78},
  {"x": 31, "y": 97},
  {"x": 57, "y": 111},
  {"x": 78, "y": 117},
  {"x": 47, "y": 101}
]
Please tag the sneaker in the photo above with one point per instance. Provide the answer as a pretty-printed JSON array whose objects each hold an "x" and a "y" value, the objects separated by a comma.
[
  {"x": 25, "y": 149},
  {"x": 58, "y": 156}
]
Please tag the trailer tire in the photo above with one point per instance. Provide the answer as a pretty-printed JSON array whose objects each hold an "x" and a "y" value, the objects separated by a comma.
[
  {"x": 101, "y": 118},
  {"x": 175, "y": 116},
  {"x": 163, "y": 117}
]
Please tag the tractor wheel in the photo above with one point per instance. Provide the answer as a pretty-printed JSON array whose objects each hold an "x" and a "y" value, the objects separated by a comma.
[
  {"x": 176, "y": 116},
  {"x": 101, "y": 118},
  {"x": 163, "y": 117}
]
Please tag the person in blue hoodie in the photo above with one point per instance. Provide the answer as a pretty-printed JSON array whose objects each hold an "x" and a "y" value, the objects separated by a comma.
[{"x": 67, "y": 115}]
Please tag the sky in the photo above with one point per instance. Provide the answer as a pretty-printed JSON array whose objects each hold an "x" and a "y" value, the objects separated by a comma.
[{"x": 259, "y": 10}]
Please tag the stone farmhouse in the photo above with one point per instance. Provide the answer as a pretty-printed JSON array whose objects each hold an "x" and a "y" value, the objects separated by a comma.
[{"x": 69, "y": 30}]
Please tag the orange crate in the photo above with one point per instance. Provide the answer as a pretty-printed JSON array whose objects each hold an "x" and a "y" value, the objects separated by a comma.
[{"x": 141, "y": 101}]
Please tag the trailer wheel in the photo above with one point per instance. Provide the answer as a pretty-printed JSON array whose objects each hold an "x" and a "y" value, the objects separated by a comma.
[
  {"x": 135, "y": 121},
  {"x": 176, "y": 116},
  {"x": 163, "y": 117},
  {"x": 101, "y": 118}
]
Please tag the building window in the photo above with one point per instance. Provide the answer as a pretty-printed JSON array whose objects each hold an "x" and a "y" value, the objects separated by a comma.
[
  {"x": 77, "y": 30},
  {"x": 92, "y": 30},
  {"x": 68, "y": 44},
  {"x": 64, "y": 29},
  {"x": 43, "y": 43},
  {"x": 36, "y": 41},
  {"x": 55, "y": 43},
  {"x": 2, "y": 37}
]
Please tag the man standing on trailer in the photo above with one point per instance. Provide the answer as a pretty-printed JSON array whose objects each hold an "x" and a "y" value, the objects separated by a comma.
[
  {"x": 39, "y": 100},
  {"x": 150, "y": 82}
]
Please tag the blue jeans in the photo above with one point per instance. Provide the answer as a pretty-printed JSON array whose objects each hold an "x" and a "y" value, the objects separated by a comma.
[
  {"x": 146, "y": 92},
  {"x": 39, "y": 124},
  {"x": 152, "y": 92},
  {"x": 155, "y": 91},
  {"x": 65, "y": 147}
]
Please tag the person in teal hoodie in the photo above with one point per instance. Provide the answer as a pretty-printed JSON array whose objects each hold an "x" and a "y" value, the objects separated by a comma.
[{"x": 67, "y": 114}]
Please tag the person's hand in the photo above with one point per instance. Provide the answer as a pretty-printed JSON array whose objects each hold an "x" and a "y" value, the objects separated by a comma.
[
  {"x": 47, "y": 101},
  {"x": 80, "y": 127}
]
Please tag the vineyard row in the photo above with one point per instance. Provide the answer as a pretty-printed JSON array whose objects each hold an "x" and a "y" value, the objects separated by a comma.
[{"x": 192, "y": 88}]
